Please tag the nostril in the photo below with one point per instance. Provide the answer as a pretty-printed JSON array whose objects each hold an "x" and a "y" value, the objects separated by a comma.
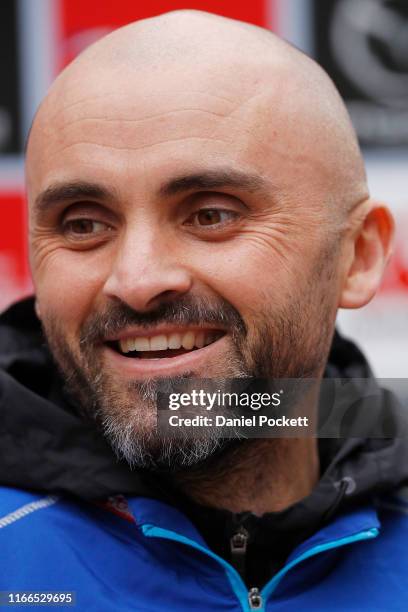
[{"x": 164, "y": 298}]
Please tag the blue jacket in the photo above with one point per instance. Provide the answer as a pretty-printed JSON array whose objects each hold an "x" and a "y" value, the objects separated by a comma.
[{"x": 153, "y": 559}]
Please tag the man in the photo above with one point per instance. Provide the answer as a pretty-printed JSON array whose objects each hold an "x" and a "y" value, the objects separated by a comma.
[{"x": 198, "y": 209}]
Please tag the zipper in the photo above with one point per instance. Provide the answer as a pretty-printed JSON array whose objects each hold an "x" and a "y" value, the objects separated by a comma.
[
  {"x": 255, "y": 599},
  {"x": 237, "y": 584},
  {"x": 238, "y": 548}
]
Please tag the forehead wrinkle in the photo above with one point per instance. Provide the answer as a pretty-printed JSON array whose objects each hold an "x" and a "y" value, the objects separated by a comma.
[
  {"x": 55, "y": 130},
  {"x": 140, "y": 147},
  {"x": 59, "y": 109},
  {"x": 242, "y": 123},
  {"x": 119, "y": 119}
]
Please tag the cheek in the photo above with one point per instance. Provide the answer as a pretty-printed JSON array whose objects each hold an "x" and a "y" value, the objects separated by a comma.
[
  {"x": 251, "y": 273},
  {"x": 67, "y": 284}
]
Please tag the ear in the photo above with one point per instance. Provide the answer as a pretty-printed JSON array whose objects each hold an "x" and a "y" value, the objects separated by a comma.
[
  {"x": 372, "y": 243},
  {"x": 37, "y": 309}
]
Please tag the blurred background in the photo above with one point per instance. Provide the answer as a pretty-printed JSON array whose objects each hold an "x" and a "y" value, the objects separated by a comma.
[{"x": 363, "y": 44}]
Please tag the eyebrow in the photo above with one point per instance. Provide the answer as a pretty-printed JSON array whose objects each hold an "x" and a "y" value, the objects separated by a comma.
[
  {"x": 215, "y": 179},
  {"x": 66, "y": 192},
  {"x": 212, "y": 179}
]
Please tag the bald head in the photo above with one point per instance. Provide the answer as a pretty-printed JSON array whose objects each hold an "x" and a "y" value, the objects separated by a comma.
[
  {"x": 190, "y": 180},
  {"x": 189, "y": 60}
]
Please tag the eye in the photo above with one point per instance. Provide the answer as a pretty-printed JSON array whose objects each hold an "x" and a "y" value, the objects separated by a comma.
[
  {"x": 211, "y": 216},
  {"x": 84, "y": 227}
]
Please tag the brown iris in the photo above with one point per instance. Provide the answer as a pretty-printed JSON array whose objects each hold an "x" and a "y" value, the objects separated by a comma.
[{"x": 209, "y": 217}]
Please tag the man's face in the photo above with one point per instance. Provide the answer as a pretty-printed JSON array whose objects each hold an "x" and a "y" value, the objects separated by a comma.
[{"x": 177, "y": 232}]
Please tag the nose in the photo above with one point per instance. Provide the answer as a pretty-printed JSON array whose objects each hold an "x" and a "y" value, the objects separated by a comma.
[{"x": 146, "y": 272}]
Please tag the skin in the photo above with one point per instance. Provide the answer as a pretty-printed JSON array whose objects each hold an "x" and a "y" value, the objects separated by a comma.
[{"x": 183, "y": 94}]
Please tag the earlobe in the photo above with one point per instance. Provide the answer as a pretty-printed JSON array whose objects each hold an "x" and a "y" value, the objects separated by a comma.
[{"x": 372, "y": 244}]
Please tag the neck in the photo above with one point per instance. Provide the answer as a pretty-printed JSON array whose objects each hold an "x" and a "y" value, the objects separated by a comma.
[{"x": 263, "y": 475}]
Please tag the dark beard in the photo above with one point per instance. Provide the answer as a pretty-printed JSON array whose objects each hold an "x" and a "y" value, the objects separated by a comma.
[{"x": 293, "y": 343}]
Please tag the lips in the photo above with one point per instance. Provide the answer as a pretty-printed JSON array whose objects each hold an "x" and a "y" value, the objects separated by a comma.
[
  {"x": 153, "y": 362},
  {"x": 165, "y": 344}
]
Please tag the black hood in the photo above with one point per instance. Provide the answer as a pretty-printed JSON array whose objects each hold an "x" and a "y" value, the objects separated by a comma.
[{"x": 46, "y": 446}]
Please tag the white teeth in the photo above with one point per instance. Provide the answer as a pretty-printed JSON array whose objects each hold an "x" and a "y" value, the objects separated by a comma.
[
  {"x": 142, "y": 344},
  {"x": 174, "y": 341},
  {"x": 188, "y": 341},
  {"x": 158, "y": 343}
]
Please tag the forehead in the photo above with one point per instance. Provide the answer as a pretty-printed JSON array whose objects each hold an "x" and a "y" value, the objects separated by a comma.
[
  {"x": 146, "y": 124},
  {"x": 137, "y": 120}
]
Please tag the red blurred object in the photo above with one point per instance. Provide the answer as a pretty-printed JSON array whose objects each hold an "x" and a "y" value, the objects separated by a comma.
[
  {"x": 79, "y": 15},
  {"x": 13, "y": 230},
  {"x": 14, "y": 270},
  {"x": 396, "y": 278}
]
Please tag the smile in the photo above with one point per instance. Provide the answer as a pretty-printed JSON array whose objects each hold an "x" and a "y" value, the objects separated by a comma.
[
  {"x": 172, "y": 349},
  {"x": 166, "y": 345}
]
